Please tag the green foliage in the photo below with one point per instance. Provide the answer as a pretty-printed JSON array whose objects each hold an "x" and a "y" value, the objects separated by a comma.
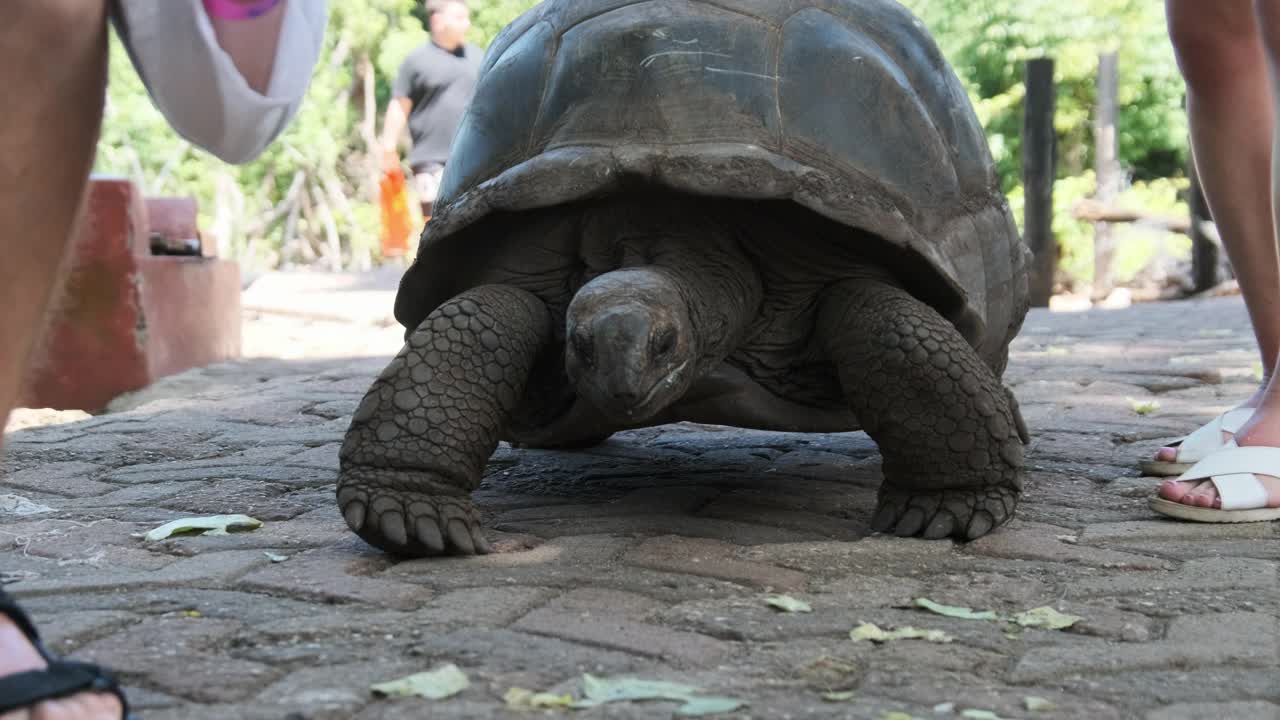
[
  {"x": 990, "y": 42},
  {"x": 324, "y": 155}
]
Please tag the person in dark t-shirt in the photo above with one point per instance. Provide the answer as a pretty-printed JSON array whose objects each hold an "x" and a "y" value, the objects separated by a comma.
[{"x": 430, "y": 93}]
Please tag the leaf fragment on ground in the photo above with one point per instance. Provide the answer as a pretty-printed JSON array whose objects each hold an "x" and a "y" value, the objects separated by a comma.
[
  {"x": 876, "y": 634},
  {"x": 840, "y": 695},
  {"x": 598, "y": 691},
  {"x": 273, "y": 557},
  {"x": 1047, "y": 618},
  {"x": 1144, "y": 407},
  {"x": 209, "y": 525},
  {"x": 952, "y": 611},
  {"x": 1038, "y": 704},
  {"x": 18, "y": 505},
  {"x": 443, "y": 682},
  {"x": 699, "y": 706},
  {"x": 786, "y": 603},
  {"x": 897, "y": 716},
  {"x": 972, "y": 714},
  {"x": 518, "y": 697}
]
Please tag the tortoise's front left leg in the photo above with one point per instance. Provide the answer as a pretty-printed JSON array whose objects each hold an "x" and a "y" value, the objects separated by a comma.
[
  {"x": 949, "y": 438},
  {"x": 419, "y": 441}
]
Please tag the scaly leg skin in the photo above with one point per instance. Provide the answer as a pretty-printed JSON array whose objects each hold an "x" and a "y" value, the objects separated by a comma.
[
  {"x": 419, "y": 441},
  {"x": 948, "y": 436}
]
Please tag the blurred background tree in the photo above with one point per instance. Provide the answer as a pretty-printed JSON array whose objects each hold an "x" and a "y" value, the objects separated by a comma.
[{"x": 310, "y": 199}]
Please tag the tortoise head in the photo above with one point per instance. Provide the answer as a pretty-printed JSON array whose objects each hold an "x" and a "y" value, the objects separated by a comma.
[{"x": 630, "y": 348}]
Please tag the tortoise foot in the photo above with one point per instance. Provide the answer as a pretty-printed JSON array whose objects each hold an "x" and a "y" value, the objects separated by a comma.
[
  {"x": 382, "y": 509},
  {"x": 959, "y": 513}
]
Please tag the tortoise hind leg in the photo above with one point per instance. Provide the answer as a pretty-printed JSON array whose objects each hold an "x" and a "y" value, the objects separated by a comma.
[
  {"x": 419, "y": 441},
  {"x": 944, "y": 424}
]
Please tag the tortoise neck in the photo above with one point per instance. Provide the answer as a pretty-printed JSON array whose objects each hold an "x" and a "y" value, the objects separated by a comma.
[{"x": 720, "y": 288}]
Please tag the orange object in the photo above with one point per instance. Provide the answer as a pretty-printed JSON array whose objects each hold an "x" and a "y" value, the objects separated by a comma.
[{"x": 397, "y": 223}]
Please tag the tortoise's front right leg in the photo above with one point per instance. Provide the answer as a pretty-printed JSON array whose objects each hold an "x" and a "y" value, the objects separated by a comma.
[{"x": 419, "y": 441}]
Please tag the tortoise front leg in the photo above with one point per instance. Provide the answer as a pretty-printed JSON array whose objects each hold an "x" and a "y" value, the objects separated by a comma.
[
  {"x": 419, "y": 441},
  {"x": 943, "y": 421}
]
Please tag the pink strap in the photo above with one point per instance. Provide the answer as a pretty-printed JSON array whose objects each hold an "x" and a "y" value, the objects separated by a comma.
[{"x": 238, "y": 9}]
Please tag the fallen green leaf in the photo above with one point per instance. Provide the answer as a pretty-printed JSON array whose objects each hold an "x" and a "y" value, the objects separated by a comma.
[
  {"x": 598, "y": 691},
  {"x": 443, "y": 682},
  {"x": 897, "y": 716},
  {"x": 872, "y": 632},
  {"x": 786, "y": 603},
  {"x": 1047, "y": 618},
  {"x": 1143, "y": 407},
  {"x": 979, "y": 715},
  {"x": 697, "y": 707},
  {"x": 274, "y": 557},
  {"x": 841, "y": 696},
  {"x": 210, "y": 525},
  {"x": 193, "y": 613},
  {"x": 1038, "y": 704},
  {"x": 952, "y": 611},
  {"x": 518, "y": 697}
]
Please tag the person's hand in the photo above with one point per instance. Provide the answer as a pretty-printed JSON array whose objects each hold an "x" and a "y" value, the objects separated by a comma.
[{"x": 390, "y": 159}]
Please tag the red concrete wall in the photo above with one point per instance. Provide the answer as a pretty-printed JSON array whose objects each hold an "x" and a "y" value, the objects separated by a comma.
[{"x": 127, "y": 317}]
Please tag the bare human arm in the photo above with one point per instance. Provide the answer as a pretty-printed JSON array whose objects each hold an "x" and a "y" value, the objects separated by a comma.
[{"x": 396, "y": 118}]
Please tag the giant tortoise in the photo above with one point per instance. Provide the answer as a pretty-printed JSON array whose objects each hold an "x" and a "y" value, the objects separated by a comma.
[{"x": 776, "y": 214}]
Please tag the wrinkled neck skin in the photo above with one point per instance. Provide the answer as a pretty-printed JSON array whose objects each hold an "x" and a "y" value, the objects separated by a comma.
[{"x": 638, "y": 337}]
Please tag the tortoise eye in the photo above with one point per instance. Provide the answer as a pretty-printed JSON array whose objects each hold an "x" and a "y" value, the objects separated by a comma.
[
  {"x": 664, "y": 342},
  {"x": 582, "y": 346}
]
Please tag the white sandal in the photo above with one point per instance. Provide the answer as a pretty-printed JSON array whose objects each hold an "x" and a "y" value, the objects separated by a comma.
[
  {"x": 1195, "y": 447},
  {"x": 1231, "y": 470}
]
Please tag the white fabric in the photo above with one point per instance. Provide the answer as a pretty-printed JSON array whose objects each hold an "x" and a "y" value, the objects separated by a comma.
[
  {"x": 197, "y": 87},
  {"x": 1231, "y": 470},
  {"x": 1208, "y": 437}
]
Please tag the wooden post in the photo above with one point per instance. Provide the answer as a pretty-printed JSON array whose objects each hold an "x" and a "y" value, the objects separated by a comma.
[
  {"x": 1204, "y": 251},
  {"x": 1106, "y": 151},
  {"x": 1039, "y": 161}
]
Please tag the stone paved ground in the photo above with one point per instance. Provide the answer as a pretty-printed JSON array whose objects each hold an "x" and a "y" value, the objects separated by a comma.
[{"x": 651, "y": 555}]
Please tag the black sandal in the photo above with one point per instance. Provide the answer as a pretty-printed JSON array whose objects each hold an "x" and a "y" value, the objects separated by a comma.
[{"x": 62, "y": 678}]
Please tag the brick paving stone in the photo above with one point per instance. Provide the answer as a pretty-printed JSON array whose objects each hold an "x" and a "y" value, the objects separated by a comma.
[
  {"x": 1026, "y": 541},
  {"x": 71, "y": 478},
  {"x": 758, "y": 510},
  {"x": 1191, "y": 641},
  {"x": 1196, "y": 711},
  {"x": 711, "y": 528},
  {"x": 538, "y": 661},
  {"x": 594, "y": 618},
  {"x": 1143, "y": 690},
  {"x": 1144, "y": 530},
  {"x": 1260, "y": 576},
  {"x": 651, "y": 554},
  {"x": 711, "y": 558},
  {"x": 873, "y": 555},
  {"x": 336, "y": 577},
  {"x": 179, "y": 656}
]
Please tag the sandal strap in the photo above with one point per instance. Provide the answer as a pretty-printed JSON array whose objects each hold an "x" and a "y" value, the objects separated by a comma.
[
  {"x": 1208, "y": 437},
  {"x": 10, "y": 608},
  {"x": 61, "y": 679},
  {"x": 1231, "y": 470}
]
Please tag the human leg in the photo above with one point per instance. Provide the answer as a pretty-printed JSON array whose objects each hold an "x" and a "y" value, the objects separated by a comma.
[
  {"x": 53, "y": 56},
  {"x": 53, "y": 71},
  {"x": 1220, "y": 51},
  {"x": 1225, "y": 58}
]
